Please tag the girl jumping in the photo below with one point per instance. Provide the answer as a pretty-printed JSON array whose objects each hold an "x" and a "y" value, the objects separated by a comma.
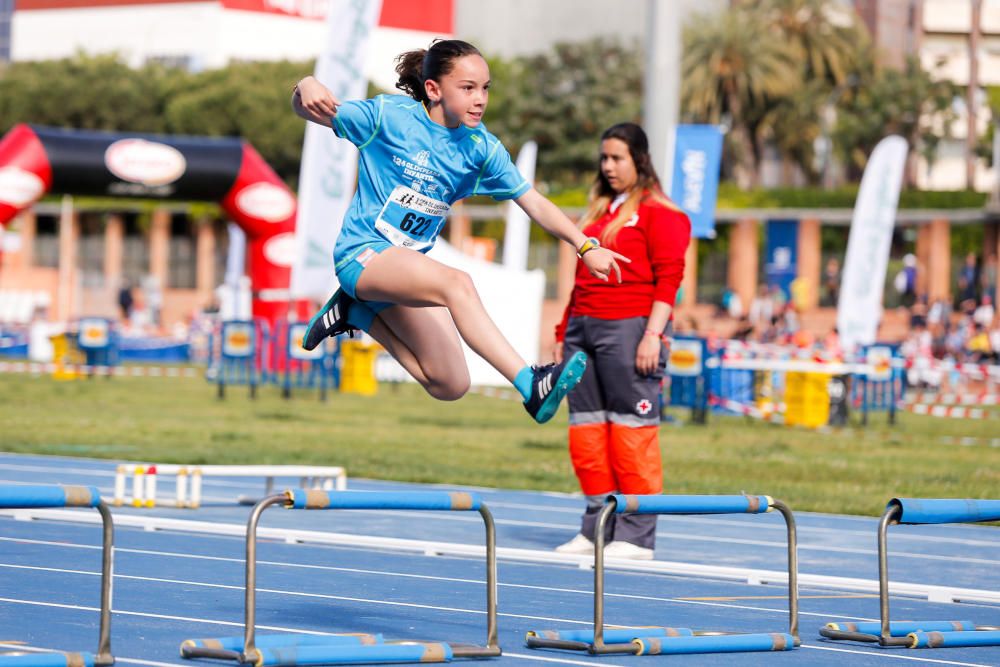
[{"x": 418, "y": 155}]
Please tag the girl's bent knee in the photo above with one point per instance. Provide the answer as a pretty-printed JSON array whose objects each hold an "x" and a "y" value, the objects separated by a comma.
[
  {"x": 459, "y": 285},
  {"x": 448, "y": 391}
]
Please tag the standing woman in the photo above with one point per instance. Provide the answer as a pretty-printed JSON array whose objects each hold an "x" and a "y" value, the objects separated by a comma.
[
  {"x": 418, "y": 155},
  {"x": 614, "y": 414}
]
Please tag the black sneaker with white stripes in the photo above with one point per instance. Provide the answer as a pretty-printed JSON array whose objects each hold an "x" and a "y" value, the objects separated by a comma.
[
  {"x": 330, "y": 320},
  {"x": 551, "y": 383}
]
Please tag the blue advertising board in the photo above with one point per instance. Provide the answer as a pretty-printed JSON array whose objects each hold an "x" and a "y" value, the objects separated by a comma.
[{"x": 695, "y": 187}]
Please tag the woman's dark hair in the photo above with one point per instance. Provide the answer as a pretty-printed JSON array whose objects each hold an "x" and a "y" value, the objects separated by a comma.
[
  {"x": 416, "y": 67},
  {"x": 638, "y": 147}
]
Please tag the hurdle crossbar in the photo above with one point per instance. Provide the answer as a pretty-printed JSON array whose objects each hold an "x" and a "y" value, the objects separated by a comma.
[
  {"x": 919, "y": 634},
  {"x": 54, "y": 496},
  {"x": 292, "y": 650},
  {"x": 188, "y": 487},
  {"x": 653, "y": 641}
]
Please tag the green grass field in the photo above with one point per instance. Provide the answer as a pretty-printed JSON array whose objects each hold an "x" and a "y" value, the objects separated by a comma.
[{"x": 402, "y": 434}]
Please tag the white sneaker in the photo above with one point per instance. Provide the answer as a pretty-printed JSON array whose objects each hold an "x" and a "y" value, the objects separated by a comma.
[
  {"x": 578, "y": 545},
  {"x": 627, "y": 550}
]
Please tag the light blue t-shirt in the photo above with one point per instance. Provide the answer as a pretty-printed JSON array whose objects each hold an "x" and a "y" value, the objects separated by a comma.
[{"x": 411, "y": 169}]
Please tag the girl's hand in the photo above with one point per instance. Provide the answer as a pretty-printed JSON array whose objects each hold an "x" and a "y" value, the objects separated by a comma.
[
  {"x": 557, "y": 352},
  {"x": 316, "y": 99},
  {"x": 601, "y": 263},
  {"x": 647, "y": 355}
]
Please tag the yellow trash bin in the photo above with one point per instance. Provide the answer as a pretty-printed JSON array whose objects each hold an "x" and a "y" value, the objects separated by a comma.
[
  {"x": 807, "y": 399},
  {"x": 357, "y": 370},
  {"x": 65, "y": 358}
]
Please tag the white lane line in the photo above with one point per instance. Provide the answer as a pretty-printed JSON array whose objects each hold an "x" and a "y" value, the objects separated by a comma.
[
  {"x": 166, "y": 617},
  {"x": 330, "y": 568},
  {"x": 549, "y": 589},
  {"x": 894, "y": 656},
  {"x": 750, "y": 575}
]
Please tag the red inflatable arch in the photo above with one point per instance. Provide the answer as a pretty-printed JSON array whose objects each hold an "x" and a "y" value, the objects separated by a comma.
[{"x": 35, "y": 160}]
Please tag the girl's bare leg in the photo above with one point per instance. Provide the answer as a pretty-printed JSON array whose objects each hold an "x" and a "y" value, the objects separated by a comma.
[
  {"x": 425, "y": 343},
  {"x": 412, "y": 279}
]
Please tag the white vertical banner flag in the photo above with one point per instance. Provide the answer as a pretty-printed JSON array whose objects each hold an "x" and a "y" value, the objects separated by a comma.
[
  {"x": 329, "y": 164},
  {"x": 860, "y": 307},
  {"x": 518, "y": 228}
]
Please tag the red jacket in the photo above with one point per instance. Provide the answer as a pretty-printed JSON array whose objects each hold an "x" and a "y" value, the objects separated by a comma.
[{"x": 655, "y": 239}]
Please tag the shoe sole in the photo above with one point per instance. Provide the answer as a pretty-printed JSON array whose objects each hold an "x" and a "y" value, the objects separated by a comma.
[
  {"x": 569, "y": 378},
  {"x": 307, "y": 339}
]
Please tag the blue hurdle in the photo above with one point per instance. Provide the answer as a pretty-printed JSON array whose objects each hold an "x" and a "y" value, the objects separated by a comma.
[
  {"x": 662, "y": 641},
  {"x": 919, "y": 634},
  {"x": 291, "y": 650},
  {"x": 49, "y": 496}
]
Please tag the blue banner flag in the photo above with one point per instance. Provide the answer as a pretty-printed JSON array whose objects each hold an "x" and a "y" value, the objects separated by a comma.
[
  {"x": 782, "y": 254},
  {"x": 697, "y": 159}
]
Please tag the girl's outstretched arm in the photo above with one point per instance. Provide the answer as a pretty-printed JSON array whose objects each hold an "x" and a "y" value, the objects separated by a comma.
[
  {"x": 313, "y": 101},
  {"x": 600, "y": 261}
]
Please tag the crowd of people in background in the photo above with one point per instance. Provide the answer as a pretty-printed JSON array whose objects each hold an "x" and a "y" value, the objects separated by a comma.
[{"x": 964, "y": 329}]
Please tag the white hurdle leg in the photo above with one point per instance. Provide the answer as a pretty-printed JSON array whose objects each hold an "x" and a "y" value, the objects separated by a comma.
[
  {"x": 342, "y": 481},
  {"x": 138, "y": 479},
  {"x": 180, "y": 500},
  {"x": 150, "y": 500},
  {"x": 195, "y": 502},
  {"x": 120, "y": 472}
]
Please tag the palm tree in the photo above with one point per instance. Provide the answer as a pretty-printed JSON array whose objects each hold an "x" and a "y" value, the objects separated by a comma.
[
  {"x": 828, "y": 38},
  {"x": 732, "y": 68}
]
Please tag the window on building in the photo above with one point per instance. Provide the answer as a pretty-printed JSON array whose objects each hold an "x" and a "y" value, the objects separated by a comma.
[
  {"x": 46, "y": 245},
  {"x": 135, "y": 250},
  {"x": 6, "y": 16},
  {"x": 221, "y": 250},
  {"x": 90, "y": 257},
  {"x": 183, "y": 253}
]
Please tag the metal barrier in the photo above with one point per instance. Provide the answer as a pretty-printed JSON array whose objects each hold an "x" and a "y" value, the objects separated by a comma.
[
  {"x": 688, "y": 366},
  {"x": 920, "y": 634},
  {"x": 37, "y": 496},
  {"x": 881, "y": 388},
  {"x": 298, "y": 649},
  {"x": 258, "y": 352},
  {"x": 300, "y": 368},
  {"x": 98, "y": 340},
  {"x": 669, "y": 640},
  {"x": 240, "y": 344}
]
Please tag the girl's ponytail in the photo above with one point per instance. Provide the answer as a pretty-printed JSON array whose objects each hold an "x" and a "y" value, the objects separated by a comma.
[{"x": 409, "y": 67}]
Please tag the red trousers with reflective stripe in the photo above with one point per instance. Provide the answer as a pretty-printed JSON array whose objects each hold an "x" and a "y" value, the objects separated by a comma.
[{"x": 611, "y": 457}]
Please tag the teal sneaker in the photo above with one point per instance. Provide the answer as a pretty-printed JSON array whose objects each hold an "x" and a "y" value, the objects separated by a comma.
[
  {"x": 551, "y": 383},
  {"x": 330, "y": 320}
]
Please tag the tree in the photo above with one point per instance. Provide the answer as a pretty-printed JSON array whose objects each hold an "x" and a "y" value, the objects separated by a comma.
[
  {"x": 733, "y": 72},
  {"x": 910, "y": 103},
  {"x": 84, "y": 92},
  {"x": 563, "y": 100},
  {"x": 831, "y": 45},
  {"x": 249, "y": 100},
  {"x": 827, "y": 38}
]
